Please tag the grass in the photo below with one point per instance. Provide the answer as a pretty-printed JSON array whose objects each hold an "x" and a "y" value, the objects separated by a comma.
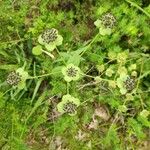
[{"x": 74, "y": 75}]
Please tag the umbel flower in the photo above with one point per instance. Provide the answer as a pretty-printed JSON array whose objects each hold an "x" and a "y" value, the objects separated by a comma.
[
  {"x": 68, "y": 105},
  {"x": 105, "y": 24},
  {"x": 108, "y": 20},
  {"x": 13, "y": 78},
  {"x": 71, "y": 72},
  {"x": 17, "y": 78},
  {"x": 50, "y": 39},
  {"x": 129, "y": 83},
  {"x": 126, "y": 84}
]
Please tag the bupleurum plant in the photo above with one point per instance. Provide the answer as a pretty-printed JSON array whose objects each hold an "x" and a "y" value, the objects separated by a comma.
[
  {"x": 13, "y": 78},
  {"x": 68, "y": 105},
  {"x": 50, "y": 39},
  {"x": 85, "y": 86},
  {"x": 71, "y": 72},
  {"x": 17, "y": 78},
  {"x": 49, "y": 35},
  {"x": 130, "y": 83},
  {"x": 106, "y": 23},
  {"x": 108, "y": 20}
]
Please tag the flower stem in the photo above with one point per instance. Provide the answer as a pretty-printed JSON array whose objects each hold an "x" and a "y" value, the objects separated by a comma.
[
  {"x": 49, "y": 54},
  {"x": 92, "y": 41},
  {"x": 67, "y": 87},
  {"x": 60, "y": 56},
  {"x": 44, "y": 75}
]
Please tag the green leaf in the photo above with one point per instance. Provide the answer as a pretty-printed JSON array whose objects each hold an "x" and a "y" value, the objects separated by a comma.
[
  {"x": 103, "y": 31},
  {"x": 37, "y": 104},
  {"x": 98, "y": 23},
  {"x": 111, "y": 138},
  {"x": 37, "y": 50},
  {"x": 136, "y": 128},
  {"x": 59, "y": 40},
  {"x": 21, "y": 85},
  {"x": 144, "y": 121},
  {"x": 57, "y": 70},
  {"x": 40, "y": 40},
  {"x": 50, "y": 47},
  {"x": 74, "y": 59}
]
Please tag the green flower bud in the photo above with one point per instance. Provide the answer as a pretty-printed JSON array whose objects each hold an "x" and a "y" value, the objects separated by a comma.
[
  {"x": 68, "y": 105},
  {"x": 109, "y": 72},
  {"x": 71, "y": 72}
]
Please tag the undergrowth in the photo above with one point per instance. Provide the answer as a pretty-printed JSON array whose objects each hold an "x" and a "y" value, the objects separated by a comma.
[{"x": 74, "y": 75}]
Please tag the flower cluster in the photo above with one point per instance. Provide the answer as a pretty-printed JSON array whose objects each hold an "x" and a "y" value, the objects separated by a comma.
[
  {"x": 68, "y": 105},
  {"x": 50, "y": 39},
  {"x": 105, "y": 24},
  {"x": 129, "y": 83},
  {"x": 71, "y": 72},
  {"x": 17, "y": 78},
  {"x": 108, "y": 20},
  {"x": 49, "y": 35},
  {"x": 13, "y": 78},
  {"x": 126, "y": 84},
  {"x": 122, "y": 57}
]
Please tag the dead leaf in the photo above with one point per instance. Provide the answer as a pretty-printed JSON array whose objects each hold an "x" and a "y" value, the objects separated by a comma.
[
  {"x": 93, "y": 124},
  {"x": 102, "y": 113},
  {"x": 81, "y": 136}
]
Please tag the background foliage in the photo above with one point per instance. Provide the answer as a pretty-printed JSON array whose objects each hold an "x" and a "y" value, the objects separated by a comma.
[{"x": 106, "y": 119}]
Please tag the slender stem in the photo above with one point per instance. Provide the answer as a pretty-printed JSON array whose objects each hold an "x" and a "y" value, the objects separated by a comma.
[
  {"x": 60, "y": 56},
  {"x": 67, "y": 87},
  {"x": 92, "y": 41},
  {"x": 138, "y": 7},
  {"x": 87, "y": 75},
  {"x": 138, "y": 81},
  {"x": 49, "y": 54},
  {"x": 94, "y": 77},
  {"x": 7, "y": 91},
  {"x": 144, "y": 75},
  {"x": 44, "y": 75}
]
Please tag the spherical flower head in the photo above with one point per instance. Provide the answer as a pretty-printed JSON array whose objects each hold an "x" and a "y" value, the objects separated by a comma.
[
  {"x": 145, "y": 113},
  {"x": 132, "y": 67},
  {"x": 112, "y": 55},
  {"x": 13, "y": 78},
  {"x": 121, "y": 57},
  {"x": 17, "y": 78},
  {"x": 112, "y": 84},
  {"x": 126, "y": 84},
  {"x": 68, "y": 105},
  {"x": 71, "y": 72},
  {"x": 134, "y": 73},
  {"x": 108, "y": 20},
  {"x": 50, "y": 39},
  {"x": 122, "y": 108},
  {"x": 109, "y": 72},
  {"x": 49, "y": 35},
  {"x": 105, "y": 24},
  {"x": 129, "y": 97},
  {"x": 100, "y": 68},
  {"x": 129, "y": 83}
]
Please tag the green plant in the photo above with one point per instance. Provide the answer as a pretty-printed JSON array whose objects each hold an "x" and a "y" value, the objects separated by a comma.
[{"x": 74, "y": 74}]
